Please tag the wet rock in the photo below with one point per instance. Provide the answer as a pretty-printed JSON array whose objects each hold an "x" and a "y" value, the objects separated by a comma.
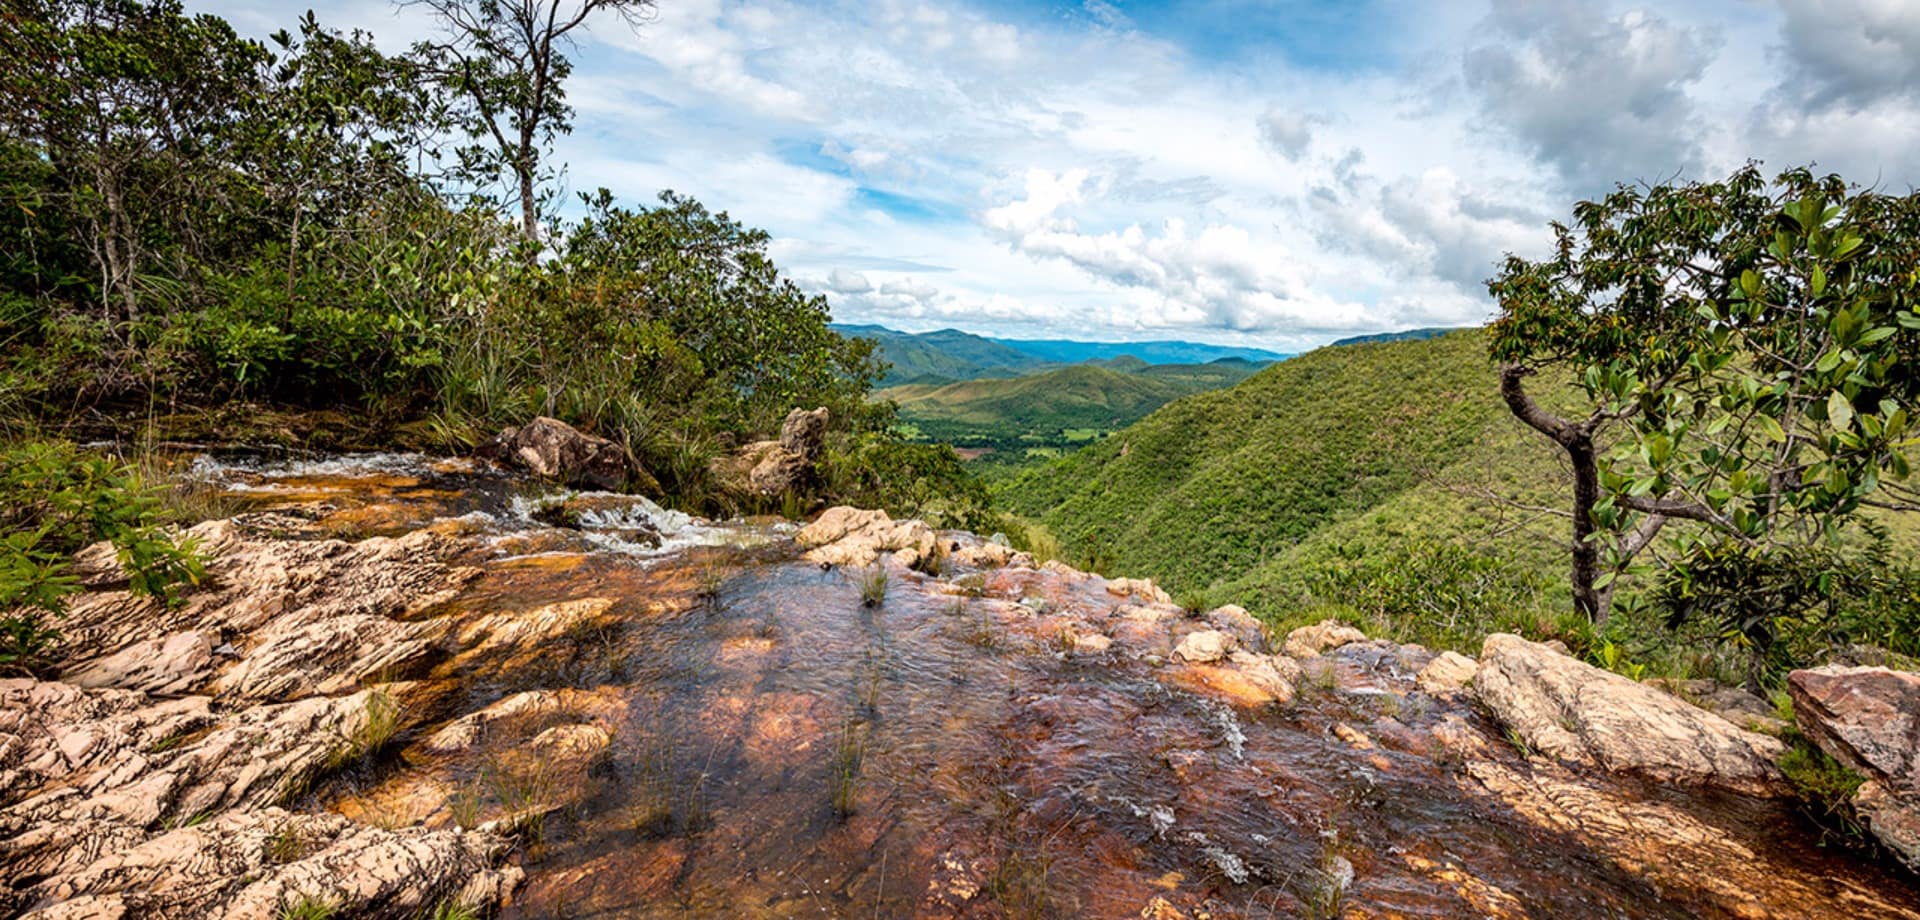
[
  {"x": 1574, "y": 711},
  {"x": 1142, "y": 588},
  {"x": 251, "y": 865},
  {"x": 168, "y": 666},
  {"x": 1309, "y": 641},
  {"x": 1235, "y": 620},
  {"x": 1868, "y": 718},
  {"x": 1091, "y": 643},
  {"x": 470, "y": 730},
  {"x": 1447, "y": 673},
  {"x": 858, "y": 537},
  {"x": 1205, "y": 646},
  {"x": 552, "y": 449}
]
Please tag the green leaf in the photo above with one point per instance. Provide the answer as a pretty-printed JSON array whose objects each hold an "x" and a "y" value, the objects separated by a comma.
[
  {"x": 1839, "y": 410},
  {"x": 1770, "y": 427}
]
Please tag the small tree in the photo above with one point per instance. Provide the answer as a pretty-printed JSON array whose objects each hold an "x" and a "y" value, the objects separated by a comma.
[
  {"x": 503, "y": 60},
  {"x": 1743, "y": 356}
]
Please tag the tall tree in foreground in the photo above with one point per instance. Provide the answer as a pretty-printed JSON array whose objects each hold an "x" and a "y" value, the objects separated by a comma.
[
  {"x": 504, "y": 62},
  {"x": 1744, "y": 358}
]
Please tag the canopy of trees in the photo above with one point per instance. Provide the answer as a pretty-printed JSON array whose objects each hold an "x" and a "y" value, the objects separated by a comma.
[
  {"x": 191, "y": 216},
  {"x": 1744, "y": 358}
]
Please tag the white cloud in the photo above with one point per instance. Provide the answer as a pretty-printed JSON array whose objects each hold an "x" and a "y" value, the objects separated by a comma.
[{"x": 1075, "y": 173}]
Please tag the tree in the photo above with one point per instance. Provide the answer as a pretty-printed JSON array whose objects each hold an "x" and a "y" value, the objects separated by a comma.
[
  {"x": 1743, "y": 357},
  {"x": 503, "y": 59},
  {"x": 133, "y": 104}
]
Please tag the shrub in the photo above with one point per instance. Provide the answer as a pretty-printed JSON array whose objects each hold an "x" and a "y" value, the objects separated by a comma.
[{"x": 55, "y": 500}]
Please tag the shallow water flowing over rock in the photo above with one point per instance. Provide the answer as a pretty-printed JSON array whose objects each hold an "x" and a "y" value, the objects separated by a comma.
[{"x": 632, "y": 713}]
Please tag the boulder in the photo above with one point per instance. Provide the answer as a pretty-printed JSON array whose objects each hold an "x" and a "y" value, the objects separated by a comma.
[
  {"x": 1235, "y": 619},
  {"x": 1868, "y": 719},
  {"x": 552, "y": 449},
  {"x": 804, "y": 433},
  {"x": 1204, "y": 646},
  {"x": 1326, "y": 635},
  {"x": 1142, "y": 588},
  {"x": 1447, "y": 673},
  {"x": 858, "y": 537},
  {"x": 1574, "y": 711}
]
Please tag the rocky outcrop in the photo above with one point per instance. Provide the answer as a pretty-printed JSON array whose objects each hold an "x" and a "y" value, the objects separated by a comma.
[
  {"x": 1206, "y": 645},
  {"x": 1868, "y": 719},
  {"x": 789, "y": 465},
  {"x": 318, "y": 614},
  {"x": 254, "y": 865},
  {"x": 552, "y": 449},
  {"x": 1142, "y": 588},
  {"x": 1571, "y": 710},
  {"x": 1448, "y": 672},
  {"x": 1326, "y": 635},
  {"x": 860, "y": 537}
]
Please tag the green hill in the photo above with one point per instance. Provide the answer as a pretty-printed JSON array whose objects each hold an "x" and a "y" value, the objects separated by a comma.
[
  {"x": 1037, "y": 415},
  {"x": 948, "y": 354},
  {"x": 1343, "y": 457}
]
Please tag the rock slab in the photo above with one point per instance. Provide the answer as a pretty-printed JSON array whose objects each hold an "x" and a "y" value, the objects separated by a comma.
[
  {"x": 1869, "y": 720},
  {"x": 1573, "y": 711}
]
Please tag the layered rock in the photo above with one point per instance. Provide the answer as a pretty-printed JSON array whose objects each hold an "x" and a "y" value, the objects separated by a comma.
[
  {"x": 859, "y": 537},
  {"x": 1324, "y": 636},
  {"x": 1571, "y": 710},
  {"x": 552, "y": 449},
  {"x": 788, "y": 465},
  {"x": 1868, "y": 719}
]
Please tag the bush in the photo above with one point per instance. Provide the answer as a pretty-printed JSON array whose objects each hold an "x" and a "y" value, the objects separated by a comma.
[{"x": 55, "y": 500}]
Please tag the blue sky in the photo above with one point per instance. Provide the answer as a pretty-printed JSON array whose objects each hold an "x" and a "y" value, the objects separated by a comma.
[{"x": 1276, "y": 174}]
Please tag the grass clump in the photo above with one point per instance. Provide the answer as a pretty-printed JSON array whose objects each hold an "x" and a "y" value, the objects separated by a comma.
[
  {"x": 873, "y": 585},
  {"x": 306, "y": 907},
  {"x": 372, "y": 732},
  {"x": 1824, "y": 786},
  {"x": 849, "y": 754}
]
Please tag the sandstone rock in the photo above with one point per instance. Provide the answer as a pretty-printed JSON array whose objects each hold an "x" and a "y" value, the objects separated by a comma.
[
  {"x": 1868, "y": 718},
  {"x": 1574, "y": 711},
  {"x": 529, "y": 705},
  {"x": 552, "y": 449},
  {"x": 1235, "y": 620},
  {"x": 250, "y": 864},
  {"x": 1205, "y": 646},
  {"x": 1308, "y": 641},
  {"x": 293, "y": 660},
  {"x": 269, "y": 586},
  {"x": 804, "y": 433},
  {"x": 981, "y": 555},
  {"x": 1091, "y": 643},
  {"x": 779, "y": 471},
  {"x": 1450, "y": 672},
  {"x": 858, "y": 537},
  {"x": 1142, "y": 588},
  {"x": 168, "y": 666}
]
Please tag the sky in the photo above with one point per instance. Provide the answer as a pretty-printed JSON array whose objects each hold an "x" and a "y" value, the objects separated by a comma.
[{"x": 1274, "y": 174}]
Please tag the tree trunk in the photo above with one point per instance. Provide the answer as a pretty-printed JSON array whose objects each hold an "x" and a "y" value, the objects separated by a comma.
[
  {"x": 529, "y": 214},
  {"x": 1577, "y": 441}
]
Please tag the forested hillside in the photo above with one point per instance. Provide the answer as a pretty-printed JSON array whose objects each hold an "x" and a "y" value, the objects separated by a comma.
[{"x": 1369, "y": 452}]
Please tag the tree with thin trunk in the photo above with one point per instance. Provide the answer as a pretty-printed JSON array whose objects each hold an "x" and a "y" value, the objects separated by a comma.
[
  {"x": 1744, "y": 357},
  {"x": 503, "y": 60}
]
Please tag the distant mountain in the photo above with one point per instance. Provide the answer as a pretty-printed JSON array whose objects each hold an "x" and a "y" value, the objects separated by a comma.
[
  {"x": 1408, "y": 335},
  {"x": 946, "y": 355},
  {"x": 1041, "y": 413},
  {"x": 1067, "y": 351}
]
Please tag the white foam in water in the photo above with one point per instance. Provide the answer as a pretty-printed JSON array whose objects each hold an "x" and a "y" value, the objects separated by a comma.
[
  {"x": 210, "y": 468},
  {"x": 603, "y": 526}
]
